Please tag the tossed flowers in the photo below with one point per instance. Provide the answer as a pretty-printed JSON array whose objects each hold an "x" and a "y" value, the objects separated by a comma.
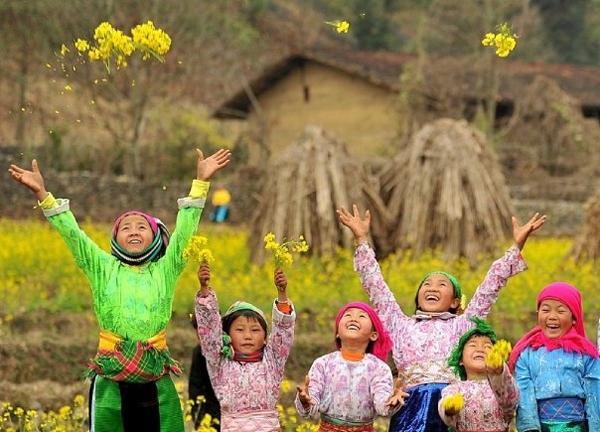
[
  {"x": 111, "y": 44},
  {"x": 504, "y": 41}
]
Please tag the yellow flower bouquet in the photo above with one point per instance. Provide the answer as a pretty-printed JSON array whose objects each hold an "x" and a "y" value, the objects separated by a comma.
[
  {"x": 196, "y": 250},
  {"x": 282, "y": 253}
]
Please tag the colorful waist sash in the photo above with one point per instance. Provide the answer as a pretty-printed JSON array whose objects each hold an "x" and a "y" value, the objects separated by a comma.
[
  {"x": 561, "y": 409},
  {"x": 126, "y": 360},
  {"x": 331, "y": 424}
]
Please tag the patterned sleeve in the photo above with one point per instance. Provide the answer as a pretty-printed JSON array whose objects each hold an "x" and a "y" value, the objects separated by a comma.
[
  {"x": 371, "y": 278},
  {"x": 448, "y": 420},
  {"x": 209, "y": 328},
  {"x": 527, "y": 411},
  {"x": 591, "y": 383},
  {"x": 506, "y": 391},
  {"x": 280, "y": 340},
  {"x": 485, "y": 296},
  {"x": 316, "y": 385},
  {"x": 382, "y": 388}
]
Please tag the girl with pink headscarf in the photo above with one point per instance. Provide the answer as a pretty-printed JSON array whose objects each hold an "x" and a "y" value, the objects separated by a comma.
[
  {"x": 352, "y": 385},
  {"x": 557, "y": 368}
]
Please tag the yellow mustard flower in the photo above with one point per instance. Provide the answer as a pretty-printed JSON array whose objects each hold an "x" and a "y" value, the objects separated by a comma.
[
  {"x": 453, "y": 402},
  {"x": 504, "y": 40},
  {"x": 112, "y": 45},
  {"x": 196, "y": 251},
  {"x": 340, "y": 26},
  {"x": 498, "y": 354},
  {"x": 281, "y": 253}
]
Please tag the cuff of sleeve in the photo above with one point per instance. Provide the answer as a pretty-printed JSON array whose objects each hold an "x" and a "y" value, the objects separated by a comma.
[
  {"x": 48, "y": 203},
  {"x": 199, "y": 189}
]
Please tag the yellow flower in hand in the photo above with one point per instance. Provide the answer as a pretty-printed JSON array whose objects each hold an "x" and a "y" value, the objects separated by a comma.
[
  {"x": 498, "y": 354},
  {"x": 453, "y": 404},
  {"x": 281, "y": 253}
]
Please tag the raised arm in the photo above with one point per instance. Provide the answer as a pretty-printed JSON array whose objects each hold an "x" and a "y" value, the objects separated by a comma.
[
  {"x": 365, "y": 263},
  {"x": 359, "y": 226},
  {"x": 502, "y": 269},
  {"x": 212, "y": 164},
  {"x": 521, "y": 233},
  {"x": 33, "y": 179}
]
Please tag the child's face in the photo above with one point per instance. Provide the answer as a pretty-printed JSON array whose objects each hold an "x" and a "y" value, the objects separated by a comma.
[
  {"x": 436, "y": 294},
  {"x": 473, "y": 355},
  {"x": 247, "y": 335},
  {"x": 356, "y": 326},
  {"x": 554, "y": 318},
  {"x": 134, "y": 233}
]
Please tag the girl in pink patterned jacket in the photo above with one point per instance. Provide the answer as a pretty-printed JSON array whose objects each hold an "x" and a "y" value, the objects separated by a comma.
[
  {"x": 352, "y": 385},
  {"x": 423, "y": 341},
  {"x": 245, "y": 367}
]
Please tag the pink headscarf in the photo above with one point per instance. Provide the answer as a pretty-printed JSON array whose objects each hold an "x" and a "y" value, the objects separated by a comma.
[
  {"x": 383, "y": 344},
  {"x": 151, "y": 220},
  {"x": 574, "y": 340}
]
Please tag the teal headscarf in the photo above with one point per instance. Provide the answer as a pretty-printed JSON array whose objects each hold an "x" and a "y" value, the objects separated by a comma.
[
  {"x": 246, "y": 309},
  {"x": 455, "y": 284}
]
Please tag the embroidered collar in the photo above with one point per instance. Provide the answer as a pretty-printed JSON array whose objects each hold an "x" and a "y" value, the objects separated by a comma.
[{"x": 420, "y": 315}]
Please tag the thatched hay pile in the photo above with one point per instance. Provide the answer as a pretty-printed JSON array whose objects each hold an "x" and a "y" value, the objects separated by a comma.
[
  {"x": 312, "y": 178},
  {"x": 446, "y": 190},
  {"x": 547, "y": 132},
  {"x": 587, "y": 244}
]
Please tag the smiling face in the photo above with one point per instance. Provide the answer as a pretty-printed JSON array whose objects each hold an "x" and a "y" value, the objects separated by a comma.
[
  {"x": 554, "y": 318},
  {"x": 436, "y": 294},
  {"x": 247, "y": 335},
  {"x": 473, "y": 356},
  {"x": 355, "y": 326},
  {"x": 134, "y": 234}
]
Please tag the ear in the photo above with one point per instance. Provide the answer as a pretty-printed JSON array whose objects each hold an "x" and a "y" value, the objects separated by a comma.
[
  {"x": 455, "y": 303},
  {"x": 374, "y": 336}
]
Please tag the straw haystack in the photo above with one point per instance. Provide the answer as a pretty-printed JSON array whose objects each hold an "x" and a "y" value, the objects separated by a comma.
[
  {"x": 312, "y": 179},
  {"x": 547, "y": 132},
  {"x": 446, "y": 189},
  {"x": 587, "y": 244}
]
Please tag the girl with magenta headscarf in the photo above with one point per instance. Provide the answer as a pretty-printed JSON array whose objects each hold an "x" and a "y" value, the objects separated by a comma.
[
  {"x": 132, "y": 289},
  {"x": 352, "y": 385},
  {"x": 557, "y": 368}
]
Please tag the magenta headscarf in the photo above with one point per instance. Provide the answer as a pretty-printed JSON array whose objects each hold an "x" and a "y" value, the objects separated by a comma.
[
  {"x": 383, "y": 344},
  {"x": 574, "y": 340},
  {"x": 153, "y": 252}
]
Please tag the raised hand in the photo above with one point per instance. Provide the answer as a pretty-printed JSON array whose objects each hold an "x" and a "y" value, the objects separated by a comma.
[
  {"x": 33, "y": 179},
  {"x": 521, "y": 233},
  {"x": 303, "y": 395},
  {"x": 397, "y": 399},
  {"x": 359, "y": 226},
  {"x": 204, "y": 275},
  {"x": 207, "y": 167},
  {"x": 280, "y": 280}
]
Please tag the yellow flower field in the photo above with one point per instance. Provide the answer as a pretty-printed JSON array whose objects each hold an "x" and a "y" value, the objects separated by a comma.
[{"x": 37, "y": 272}]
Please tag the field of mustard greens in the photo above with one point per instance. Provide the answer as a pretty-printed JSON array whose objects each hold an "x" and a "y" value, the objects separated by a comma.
[{"x": 37, "y": 272}]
